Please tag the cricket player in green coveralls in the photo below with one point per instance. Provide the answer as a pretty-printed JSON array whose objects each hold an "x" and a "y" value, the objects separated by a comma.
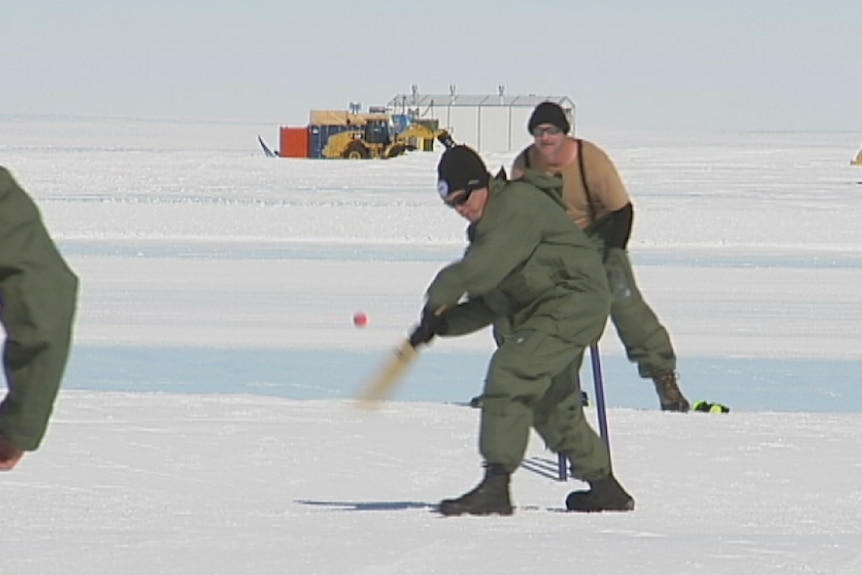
[
  {"x": 38, "y": 293},
  {"x": 527, "y": 265}
]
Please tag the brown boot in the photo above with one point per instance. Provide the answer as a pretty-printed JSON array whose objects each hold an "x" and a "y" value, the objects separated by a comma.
[{"x": 669, "y": 394}]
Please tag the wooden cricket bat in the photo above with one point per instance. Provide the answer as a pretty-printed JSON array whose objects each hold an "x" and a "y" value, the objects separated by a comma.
[{"x": 388, "y": 377}]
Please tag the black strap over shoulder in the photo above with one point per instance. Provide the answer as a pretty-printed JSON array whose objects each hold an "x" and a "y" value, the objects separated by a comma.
[{"x": 590, "y": 205}]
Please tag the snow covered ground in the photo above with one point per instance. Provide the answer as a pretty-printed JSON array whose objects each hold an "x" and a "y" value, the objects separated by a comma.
[{"x": 206, "y": 426}]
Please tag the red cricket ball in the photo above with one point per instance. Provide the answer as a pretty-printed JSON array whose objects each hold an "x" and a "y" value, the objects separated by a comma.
[{"x": 360, "y": 319}]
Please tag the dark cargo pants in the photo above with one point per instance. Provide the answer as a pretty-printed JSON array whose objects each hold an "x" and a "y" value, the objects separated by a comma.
[
  {"x": 645, "y": 339},
  {"x": 532, "y": 382}
]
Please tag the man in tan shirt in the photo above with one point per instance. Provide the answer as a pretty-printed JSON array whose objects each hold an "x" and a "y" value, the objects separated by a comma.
[{"x": 597, "y": 201}]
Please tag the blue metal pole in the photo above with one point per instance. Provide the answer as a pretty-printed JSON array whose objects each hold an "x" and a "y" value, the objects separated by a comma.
[{"x": 596, "y": 364}]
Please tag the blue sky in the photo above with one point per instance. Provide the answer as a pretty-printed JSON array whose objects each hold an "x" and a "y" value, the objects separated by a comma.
[{"x": 662, "y": 64}]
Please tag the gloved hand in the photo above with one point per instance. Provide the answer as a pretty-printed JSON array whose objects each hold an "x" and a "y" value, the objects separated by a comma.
[{"x": 428, "y": 327}]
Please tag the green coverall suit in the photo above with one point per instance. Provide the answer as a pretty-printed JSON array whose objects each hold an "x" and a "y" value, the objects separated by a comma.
[
  {"x": 37, "y": 304},
  {"x": 529, "y": 266}
]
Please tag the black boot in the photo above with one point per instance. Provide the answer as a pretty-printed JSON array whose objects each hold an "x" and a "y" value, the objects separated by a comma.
[
  {"x": 604, "y": 495},
  {"x": 490, "y": 497},
  {"x": 669, "y": 394}
]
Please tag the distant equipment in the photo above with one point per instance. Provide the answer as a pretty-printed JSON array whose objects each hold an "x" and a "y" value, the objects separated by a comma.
[
  {"x": 350, "y": 134},
  {"x": 378, "y": 139},
  {"x": 857, "y": 161},
  {"x": 487, "y": 122},
  {"x": 266, "y": 149}
]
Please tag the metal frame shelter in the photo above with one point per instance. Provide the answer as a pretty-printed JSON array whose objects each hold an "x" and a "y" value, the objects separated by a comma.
[{"x": 486, "y": 122}]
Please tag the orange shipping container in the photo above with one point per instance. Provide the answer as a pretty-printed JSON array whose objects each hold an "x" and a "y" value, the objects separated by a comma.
[{"x": 293, "y": 142}]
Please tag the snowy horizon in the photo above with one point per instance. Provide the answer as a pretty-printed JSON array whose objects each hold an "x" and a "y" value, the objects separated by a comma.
[
  {"x": 206, "y": 425},
  {"x": 745, "y": 244}
]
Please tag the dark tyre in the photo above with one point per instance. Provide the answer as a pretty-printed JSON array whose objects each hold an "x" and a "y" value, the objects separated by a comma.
[
  {"x": 357, "y": 151},
  {"x": 395, "y": 150}
]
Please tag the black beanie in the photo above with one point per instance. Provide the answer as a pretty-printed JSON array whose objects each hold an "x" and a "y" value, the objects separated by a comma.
[
  {"x": 460, "y": 168},
  {"x": 549, "y": 113}
]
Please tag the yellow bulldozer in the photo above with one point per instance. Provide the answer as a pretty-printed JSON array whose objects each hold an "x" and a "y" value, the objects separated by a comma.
[
  {"x": 857, "y": 161},
  {"x": 375, "y": 140}
]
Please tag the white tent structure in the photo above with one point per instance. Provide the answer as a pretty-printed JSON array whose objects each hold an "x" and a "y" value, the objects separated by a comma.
[{"x": 486, "y": 122}]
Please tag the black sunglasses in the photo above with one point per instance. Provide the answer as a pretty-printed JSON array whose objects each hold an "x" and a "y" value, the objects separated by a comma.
[
  {"x": 460, "y": 200},
  {"x": 472, "y": 186},
  {"x": 550, "y": 130}
]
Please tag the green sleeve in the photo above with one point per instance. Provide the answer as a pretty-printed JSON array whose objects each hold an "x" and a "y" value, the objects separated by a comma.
[
  {"x": 467, "y": 317},
  {"x": 504, "y": 239},
  {"x": 37, "y": 304}
]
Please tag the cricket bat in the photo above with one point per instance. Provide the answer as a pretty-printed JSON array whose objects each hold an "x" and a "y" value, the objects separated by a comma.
[{"x": 388, "y": 377}]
